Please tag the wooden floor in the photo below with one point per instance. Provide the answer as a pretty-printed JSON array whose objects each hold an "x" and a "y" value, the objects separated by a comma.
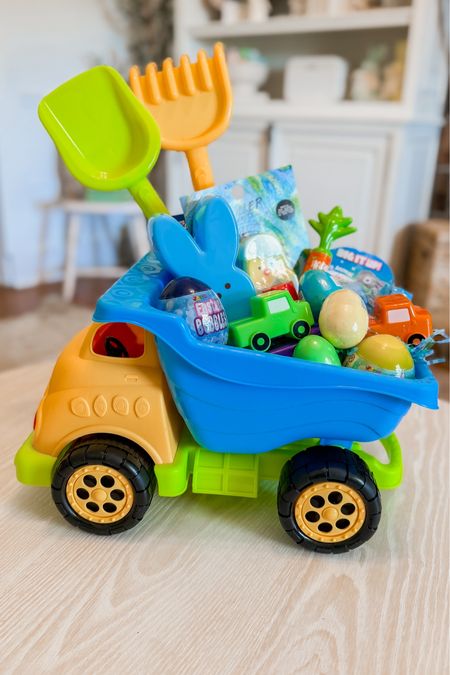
[
  {"x": 213, "y": 585},
  {"x": 15, "y": 302}
]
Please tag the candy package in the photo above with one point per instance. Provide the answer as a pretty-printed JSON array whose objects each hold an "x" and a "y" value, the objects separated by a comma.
[
  {"x": 262, "y": 257},
  {"x": 365, "y": 273}
]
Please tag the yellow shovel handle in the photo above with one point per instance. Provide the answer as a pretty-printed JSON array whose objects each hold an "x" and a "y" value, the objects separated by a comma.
[
  {"x": 200, "y": 168},
  {"x": 145, "y": 195}
]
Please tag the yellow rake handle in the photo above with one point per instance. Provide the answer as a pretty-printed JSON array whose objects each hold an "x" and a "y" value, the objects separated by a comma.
[{"x": 200, "y": 168}]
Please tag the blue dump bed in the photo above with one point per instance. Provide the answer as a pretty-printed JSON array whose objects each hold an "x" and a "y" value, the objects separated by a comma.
[{"x": 236, "y": 400}]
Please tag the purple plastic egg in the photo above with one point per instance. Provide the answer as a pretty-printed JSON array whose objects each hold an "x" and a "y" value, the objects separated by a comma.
[{"x": 199, "y": 306}]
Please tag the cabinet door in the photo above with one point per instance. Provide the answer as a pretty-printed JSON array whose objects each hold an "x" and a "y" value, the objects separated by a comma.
[
  {"x": 242, "y": 151},
  {"x": 337, "y": 165}
]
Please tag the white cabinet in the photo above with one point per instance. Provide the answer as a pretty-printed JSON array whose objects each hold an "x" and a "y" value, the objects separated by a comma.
[
  {"x": 337, "y": 165},
  {"x": 381, "y": 175},
  {"x": 241, "y": 152}
]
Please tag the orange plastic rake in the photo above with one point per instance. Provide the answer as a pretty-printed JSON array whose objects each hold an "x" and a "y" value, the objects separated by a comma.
[{"x": 191, "y": 104}]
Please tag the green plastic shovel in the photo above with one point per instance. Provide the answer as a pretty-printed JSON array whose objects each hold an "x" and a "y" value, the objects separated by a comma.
[{"x": 106, "y": 137}]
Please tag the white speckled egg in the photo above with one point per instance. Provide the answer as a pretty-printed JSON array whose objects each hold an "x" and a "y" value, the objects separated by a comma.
[{"x": 343, "y": 319}]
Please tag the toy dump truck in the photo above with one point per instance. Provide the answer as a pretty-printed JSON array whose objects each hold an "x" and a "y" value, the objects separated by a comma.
[{"x": 136, "y": 404}]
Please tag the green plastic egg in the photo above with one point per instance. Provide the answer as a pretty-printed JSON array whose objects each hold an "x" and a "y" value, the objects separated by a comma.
[{"x": 316, "y": 348}]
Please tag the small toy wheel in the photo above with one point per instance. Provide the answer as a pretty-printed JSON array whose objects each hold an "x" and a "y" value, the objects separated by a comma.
[
  {"x": 415, "y": 339},
  {"x": 103, "y": 485},
  {"x": 300, "y": 329},
  {"x": 260, "y": 342},
  {"x": 328, "y": 500}
]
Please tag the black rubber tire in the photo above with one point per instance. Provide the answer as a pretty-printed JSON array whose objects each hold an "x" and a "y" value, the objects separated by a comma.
[
  {"x": 300, "y": 329},
  {"x": 416, "y": 336},
  {"x": 260, "y": 348},
  {"x": 117, "y": 454},
  {"x": 327, "y": 463}
]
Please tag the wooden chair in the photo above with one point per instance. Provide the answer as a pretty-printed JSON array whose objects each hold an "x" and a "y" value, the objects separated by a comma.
[{"x": 76, "y": 209}]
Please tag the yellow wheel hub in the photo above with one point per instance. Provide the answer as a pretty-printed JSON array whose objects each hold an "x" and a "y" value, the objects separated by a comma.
[
  {"x": 330, "y": 512},
  {"x": 99, "y": 494}
]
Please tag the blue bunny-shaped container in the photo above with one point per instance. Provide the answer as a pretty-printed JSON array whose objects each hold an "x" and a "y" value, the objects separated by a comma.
[
  {"x": 210, "y": 254},
  {"x": 237, "y": 400}
]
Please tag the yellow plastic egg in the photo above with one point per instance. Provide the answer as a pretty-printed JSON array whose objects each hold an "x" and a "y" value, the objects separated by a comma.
[
  {"x": 343, "y": 319},
  {"x": 384, "y": 354}
]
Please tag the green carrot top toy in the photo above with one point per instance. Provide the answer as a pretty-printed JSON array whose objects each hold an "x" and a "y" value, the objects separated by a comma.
[{"x": 329, "y": 227}]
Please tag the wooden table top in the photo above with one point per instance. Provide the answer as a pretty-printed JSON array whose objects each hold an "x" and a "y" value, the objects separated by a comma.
[{"x": 213, "y": 585}]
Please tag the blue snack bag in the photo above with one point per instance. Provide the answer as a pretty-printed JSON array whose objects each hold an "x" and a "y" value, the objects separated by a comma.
[{"x": 262, "y": 204}]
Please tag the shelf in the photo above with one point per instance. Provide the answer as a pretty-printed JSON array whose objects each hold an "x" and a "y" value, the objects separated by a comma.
[
  {"x": 376, "y": 112},
  {"x": 289, "y": 24}
]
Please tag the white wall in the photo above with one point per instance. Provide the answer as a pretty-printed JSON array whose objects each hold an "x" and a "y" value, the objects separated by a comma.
[{"x": 42, "y": 44}]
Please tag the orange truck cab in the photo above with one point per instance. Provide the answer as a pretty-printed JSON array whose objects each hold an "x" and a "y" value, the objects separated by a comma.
[
  {"x": 108, "y": 380},
  {"x": 396, "y": 315}
]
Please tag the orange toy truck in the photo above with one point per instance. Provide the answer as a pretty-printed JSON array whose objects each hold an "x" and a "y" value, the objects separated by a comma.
[{"x": 396, "y": 315}]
